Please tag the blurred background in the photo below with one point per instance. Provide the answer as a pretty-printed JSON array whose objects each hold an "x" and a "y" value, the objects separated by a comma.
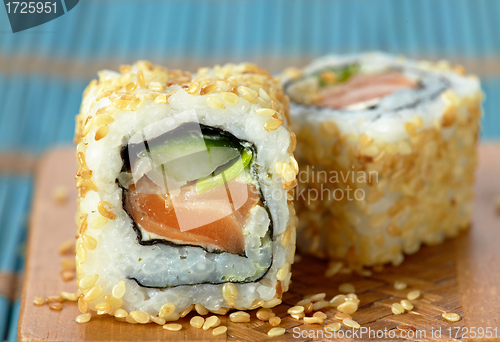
[{"x": 44, "y": 70}]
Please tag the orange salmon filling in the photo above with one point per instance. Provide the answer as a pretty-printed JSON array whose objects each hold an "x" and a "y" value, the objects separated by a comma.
[
  {"x": 363, "y": 87},
  {"x": 211, "y": 219}
]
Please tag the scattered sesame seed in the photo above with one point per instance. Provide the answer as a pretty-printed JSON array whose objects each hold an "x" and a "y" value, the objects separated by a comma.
[
  {"x": 348, "y": 307},
  {"x": 200, "y": 309},
  {"x": 320, "y": 315},
  {"x": 274, "y": 321},
  {"x": 278, "y": 331},
  {"x": 53, "y": 299},
  {"x": 350, "y": 323},
  {"x": 130, "y": 319},
  {"x": 68, "y": 296},
  {"x": 55, "y": 306},
  {"x": 298, "y": 316},
  {"x": 256, "y": 304},
  {"x": 334, "y": 326},
  {"x": 451, "y": 316},
  {"x": 186, "y": 311},
  {"x": 158, "y": 320},
  {"x": 221, "y": 311},
  {"x": 197, "y": 322},
  {"x": 60, "y": 195},
  {"x": 211, "y": 322},
  {"x": 407, "y": 305},
  {"x": 68, "y": 275},
  {"x": 316, "y": 297},
  {"x": 309, "y": 307},
  {"x": 400, "y": 285},
  {"x": 313, "y": 320},
  {"x": 304, "y": 302},
  {"x": 239, "y": 317},
  {"x": 172, "y": 327},
  {"x": 264, "y": 314},
  {"x": 342, "y": 315},
  {"x": 39, "y": 300},
  {"x": 412, "y": 295},
  {"x": 337, "y": 300},
  {"x": 83, "y": 318},
  {"x": 397, "y": 309},
  {"x": 321, "y": 305},
  {"x": 173, "y": 317},
  {"x": 295, "y": 310},
  {"x": 272, "y": 303},
  {"x": 219, "y": 330},
  {"x": 140, "y": 316},
  {"x": 67, "y": 247}
]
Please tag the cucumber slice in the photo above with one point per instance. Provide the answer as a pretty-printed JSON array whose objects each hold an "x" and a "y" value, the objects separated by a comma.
[
  {"x": 192, "y": 155},
  {"x": 185, "y": 145},
  {"x": 225, "y": 175},
  {"x": 199, "y": 164}
]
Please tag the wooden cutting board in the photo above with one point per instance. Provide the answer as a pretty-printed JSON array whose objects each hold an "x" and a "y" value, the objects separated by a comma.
[{"x": 461, "y": 275}]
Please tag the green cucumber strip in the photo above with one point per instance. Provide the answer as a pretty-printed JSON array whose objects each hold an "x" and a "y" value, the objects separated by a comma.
[
  {"x": 229, "y": 173},
  {"x": 343, "y": 74}
]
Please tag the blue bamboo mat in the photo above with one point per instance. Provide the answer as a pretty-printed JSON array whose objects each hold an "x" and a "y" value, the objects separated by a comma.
[{"x": 44, "y": 70}]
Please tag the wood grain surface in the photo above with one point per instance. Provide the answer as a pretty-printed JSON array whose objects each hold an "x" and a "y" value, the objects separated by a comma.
[{"x": 461, "y": 276}]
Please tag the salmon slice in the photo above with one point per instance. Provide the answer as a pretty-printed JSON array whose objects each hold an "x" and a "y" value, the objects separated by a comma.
[
  {"x": 213, "y": 219},
  {"x": 363, "y": 87}
]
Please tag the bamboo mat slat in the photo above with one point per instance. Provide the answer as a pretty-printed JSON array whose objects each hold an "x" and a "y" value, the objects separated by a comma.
[
  {"x": 450, "y": 277},
  {"x": 14, "y": 199}
]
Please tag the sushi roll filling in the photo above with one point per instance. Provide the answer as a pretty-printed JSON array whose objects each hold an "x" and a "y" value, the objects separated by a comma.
[
  {"x": 350, "y": 87},
  {"x": 196, "y": 187}
]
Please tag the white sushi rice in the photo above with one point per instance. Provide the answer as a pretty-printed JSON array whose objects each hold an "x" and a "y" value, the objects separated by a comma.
[{"x": 118, "y": 254}]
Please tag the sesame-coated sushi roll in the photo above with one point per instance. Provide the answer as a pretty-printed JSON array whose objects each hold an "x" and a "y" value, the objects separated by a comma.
[
  {"x": 387, "y": 149},
  {"x": 183, "y": 192}
]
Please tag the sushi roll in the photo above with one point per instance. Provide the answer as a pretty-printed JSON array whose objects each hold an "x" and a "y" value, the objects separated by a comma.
[
  {"x": 387, "y": 148},
  {"x": 183, "y": 192}
]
